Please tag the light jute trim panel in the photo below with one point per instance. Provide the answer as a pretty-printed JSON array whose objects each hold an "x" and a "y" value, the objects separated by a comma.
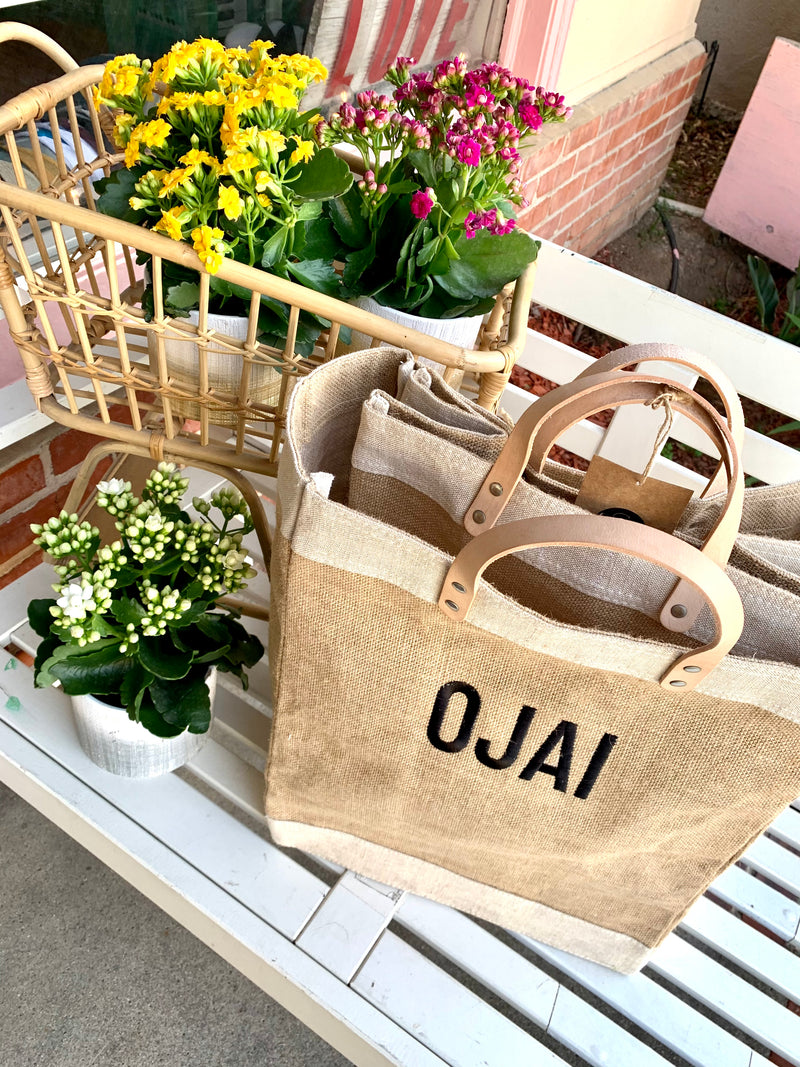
[
  {"x": 566, "y": 932},
  {"x": 330, "y": 533}
]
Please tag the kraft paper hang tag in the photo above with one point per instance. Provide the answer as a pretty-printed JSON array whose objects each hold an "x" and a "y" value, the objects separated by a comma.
[{"x": 609, "y": 489}]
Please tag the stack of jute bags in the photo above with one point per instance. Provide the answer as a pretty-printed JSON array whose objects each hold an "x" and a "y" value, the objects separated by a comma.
[{"x": 576, "y": 742}]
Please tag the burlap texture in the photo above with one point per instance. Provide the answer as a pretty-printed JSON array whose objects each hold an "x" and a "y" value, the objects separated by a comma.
[{"x": 360, "y": 652}]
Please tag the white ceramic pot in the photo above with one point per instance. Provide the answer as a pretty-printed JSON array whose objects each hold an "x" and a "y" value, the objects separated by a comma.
[
  {"x": 224, "y": 368},
  {"x": 119, "y": 745},
  {"x": 461, "y": 331}
]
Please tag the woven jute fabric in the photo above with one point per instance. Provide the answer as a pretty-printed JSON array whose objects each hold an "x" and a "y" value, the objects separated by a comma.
[{"x": 455, "y": 758}]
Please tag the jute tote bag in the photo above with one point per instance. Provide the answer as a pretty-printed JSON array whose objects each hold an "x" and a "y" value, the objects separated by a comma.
[{"x": 435, "y": 733}]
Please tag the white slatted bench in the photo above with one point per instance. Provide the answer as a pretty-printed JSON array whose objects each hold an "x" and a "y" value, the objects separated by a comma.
[{"x": 389, "y": 978}]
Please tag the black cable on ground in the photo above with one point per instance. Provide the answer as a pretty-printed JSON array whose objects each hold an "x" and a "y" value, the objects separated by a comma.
[{"x": 676, "y": 256}]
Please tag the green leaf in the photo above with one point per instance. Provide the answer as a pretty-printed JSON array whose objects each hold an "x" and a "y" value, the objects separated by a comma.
[
  {"x": 766, "y": 290},
  {"x": 184, "y": 704},
  {"x": 42, "y": 677},
  {"x": 349, "y": 223},
  {"x": 322, "y": 178},
  {"x": 399, "y": 188},
  {"x": 161, "y": 658},
  {"x": 115, "y": 193},
  {"x": 322, "y": 241},
  {"x": 423, "y": 163},
  {"x": 488, "y": 262},
  {"x": 317, "y": 274},
  {"x": 134, "y": 685},
  {"x": 355, "y": 265},
  {"x": 154, "y": 722},
  {"x": 274, "y": 248},
  {"x": 786, "y": 428},
  {"x": 39, "y": 616},
  {"x": 99, "y": 673},
  {"x": 184, "y": 296},
  {"x": 127, "y": 610},
  {"x": 311, "y": 209},
  {"x": 440, "y": 305},
  {"x": 226, "y": 290}
]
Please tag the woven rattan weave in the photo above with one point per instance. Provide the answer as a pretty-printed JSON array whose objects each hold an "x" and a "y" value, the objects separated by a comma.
[{"x": 70, "y": 288}]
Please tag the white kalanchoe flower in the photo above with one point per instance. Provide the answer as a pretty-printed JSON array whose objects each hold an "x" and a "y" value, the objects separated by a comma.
[
  {"x": 76, "y": 601},
  {"x": 166, "y": 485},
  {"x": 115, "y": 496}
]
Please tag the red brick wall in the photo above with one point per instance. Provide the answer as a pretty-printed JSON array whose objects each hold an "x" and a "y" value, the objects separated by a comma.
[
  {"x": 596, "y": 175},
  {"x": 35, "y": 478}
]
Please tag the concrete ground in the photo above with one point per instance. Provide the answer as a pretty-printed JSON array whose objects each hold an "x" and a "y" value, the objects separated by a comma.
[{"x": 92, "y": 974}]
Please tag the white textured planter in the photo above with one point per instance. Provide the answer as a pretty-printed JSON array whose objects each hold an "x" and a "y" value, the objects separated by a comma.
[
  {"x": 224, "y": 368},
  {"x": 119, "y": 745},
  {"x": 460, "y": 331}
]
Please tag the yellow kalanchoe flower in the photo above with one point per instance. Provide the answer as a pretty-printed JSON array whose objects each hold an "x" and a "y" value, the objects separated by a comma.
[
  {"x": 170, "y": 222},
  {"x": 196, "y": 156},
  {"x": 153, "y": 134},
  {"x": 187, "y": 101},
  {"x": 230, "y": 202},
  {"x": 207, "y": 243},
  {"x": 303, "y": 152},
  {"x": 236, "y": 162}
]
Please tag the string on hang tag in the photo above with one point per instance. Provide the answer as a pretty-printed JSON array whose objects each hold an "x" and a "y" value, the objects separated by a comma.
[{"x": 663, "y": 400}]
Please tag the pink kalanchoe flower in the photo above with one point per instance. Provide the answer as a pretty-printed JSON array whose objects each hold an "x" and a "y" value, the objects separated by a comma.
[
  {"x": 422, "y": 203},
  {"x": 478, "y": 96},
  {"x": 472, "y": 224},
  {"x": 531, "y": 116},
  {"x": 469, "y": 152}
]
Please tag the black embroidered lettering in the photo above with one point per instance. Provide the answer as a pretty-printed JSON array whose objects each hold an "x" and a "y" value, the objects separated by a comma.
[
  {"x": 440, "y": 705},
  {"x": 518, "y": 735},
  {"x": 595, "y": 765},
  {"x": 564, "y": 734}
]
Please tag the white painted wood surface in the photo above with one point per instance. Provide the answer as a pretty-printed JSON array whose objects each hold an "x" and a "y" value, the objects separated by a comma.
[{"x": 390, "y": 978}]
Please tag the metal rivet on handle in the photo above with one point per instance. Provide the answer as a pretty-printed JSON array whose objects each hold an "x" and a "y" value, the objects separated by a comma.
[
  {"x": 678, "y": 682},
  {"x": 496, "y": 489},
  {"x": 479, "y": 517},
  {"x": 459, "y": 587},
  {"x": 680, "y": 611},
  {"x": 691, "y": 669},
  {"x": 454, "y": 607}
]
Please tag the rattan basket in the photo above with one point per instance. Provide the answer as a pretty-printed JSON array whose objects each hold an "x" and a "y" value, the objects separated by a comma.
[{"x": 71, "y": 291}]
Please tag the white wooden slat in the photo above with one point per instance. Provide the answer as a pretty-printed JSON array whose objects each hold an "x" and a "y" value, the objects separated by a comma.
[
  {"x": 347, "y": 924},
  {"x": 575, "y": 1023},
  {"x": 759, "y": 901},
  {"x": 770, "y": 963},
  {"x": 520, "y": 983},
  {"x": 35, "y": 585},
  {"x": 248, "y": 722},
  {"x": 761, "y": 366},
  {"x": 763, "y": 457},
  {"x": 448, "y": 1019},
  {"x": 776, "y": 863},
  {"x": 508, "y": 974},
  {"x": 231, "y": 777},
  {"x": 786, "y": 828},
  {"x": 731, "y": 997},
  {"x": 367, "y": 1037},
  {"x": 271, "y": 883},
  {"x": 657, "y": 1011}
]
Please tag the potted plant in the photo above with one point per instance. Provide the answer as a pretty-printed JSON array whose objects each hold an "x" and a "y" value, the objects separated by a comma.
[
  {"x": 430, "y": 229},
  {"x": 218, "y": 153},
  {"x": 134, "y": 632}
]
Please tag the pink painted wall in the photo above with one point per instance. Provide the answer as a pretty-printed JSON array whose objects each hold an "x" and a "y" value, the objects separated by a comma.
[{"x": 755, "y": 199}]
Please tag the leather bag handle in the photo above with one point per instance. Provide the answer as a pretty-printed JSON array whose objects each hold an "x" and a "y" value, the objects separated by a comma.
[
  {"x": 666, "y": 353},
  {"x": 543, "y": 423},
  {"x": 709, "y": 581}
]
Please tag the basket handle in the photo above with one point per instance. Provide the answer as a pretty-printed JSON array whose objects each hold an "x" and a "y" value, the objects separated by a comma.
[
  {"x": 543, "y": 423},
  {"x": 694, "y": 568},
  {"x": 686, "y": 357},
  {"x": 18, "y": 31}
]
